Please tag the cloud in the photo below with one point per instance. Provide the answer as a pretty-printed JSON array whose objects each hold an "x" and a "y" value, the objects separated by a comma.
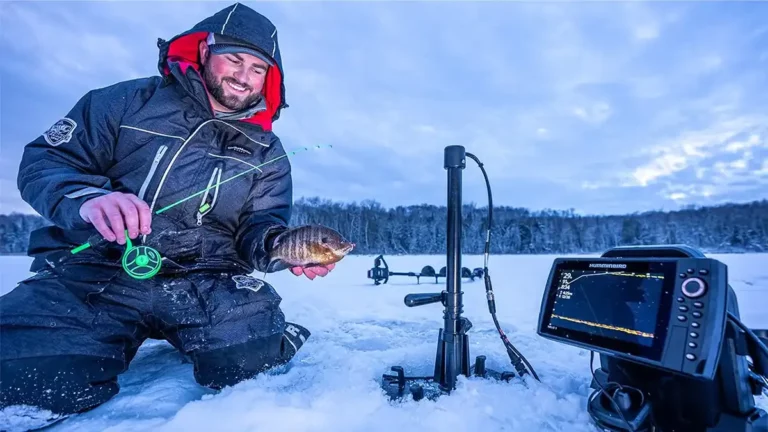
[
  {"x": 754, "y": 140},
  {"x": 72, "y": 48},
  {"x": 597, "y": 106},
  {"x": 595, "y": 114},
  {"x": 61, "y": 52},
  {"x": 676, "y": 154},
  {"x": 710, "y": 164}
]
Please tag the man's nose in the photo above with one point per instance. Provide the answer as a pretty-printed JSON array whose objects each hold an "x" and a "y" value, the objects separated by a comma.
[{"x": 241, "y": 75}]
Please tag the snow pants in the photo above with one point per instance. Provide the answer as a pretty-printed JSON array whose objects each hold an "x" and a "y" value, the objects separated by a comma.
[{"x": 66, "y": 336}]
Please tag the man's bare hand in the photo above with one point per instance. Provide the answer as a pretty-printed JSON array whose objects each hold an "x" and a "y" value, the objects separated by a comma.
[
  {"x": 313, "y": 271},
  {"x": 115, "y": 212}
]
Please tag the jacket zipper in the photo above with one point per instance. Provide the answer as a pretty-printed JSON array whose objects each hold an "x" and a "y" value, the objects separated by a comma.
[
  {"x": 176, "y": 155},
  {"x": 158, "y": 157},
  {"x": 205, "y": 206}
]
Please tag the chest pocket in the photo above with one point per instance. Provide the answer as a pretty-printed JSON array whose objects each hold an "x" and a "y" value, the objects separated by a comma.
[
  {"x": 238, "y": 173},
  {"x": 140, "y": 154},
  {"x": 235, "y": 157},
  {"x": 152, "y": 169},
  {"x": 211, "y": 194}
]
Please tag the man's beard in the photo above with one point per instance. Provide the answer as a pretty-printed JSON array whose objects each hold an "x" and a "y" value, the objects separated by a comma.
[{"x": 216, "y": 88}]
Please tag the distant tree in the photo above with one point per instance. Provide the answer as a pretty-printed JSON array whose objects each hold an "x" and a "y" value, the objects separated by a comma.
[
  {"x": 421, "y": 229},
  {"x": 15, "y": 229}
]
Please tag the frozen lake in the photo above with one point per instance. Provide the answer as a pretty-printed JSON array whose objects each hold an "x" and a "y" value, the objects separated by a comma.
[{"x": 359, "y": 331}]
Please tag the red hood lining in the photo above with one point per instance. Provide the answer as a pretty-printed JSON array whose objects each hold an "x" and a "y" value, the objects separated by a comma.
[{"x": 184, "y": 51}]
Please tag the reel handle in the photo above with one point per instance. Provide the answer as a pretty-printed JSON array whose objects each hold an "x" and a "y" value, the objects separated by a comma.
[{"x": 421, "y": 299}]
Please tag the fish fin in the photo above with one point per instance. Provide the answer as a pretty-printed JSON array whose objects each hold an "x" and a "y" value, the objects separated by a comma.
[
  {"x": 275, "y": 238},
  {"x": 277, "y": 265}
]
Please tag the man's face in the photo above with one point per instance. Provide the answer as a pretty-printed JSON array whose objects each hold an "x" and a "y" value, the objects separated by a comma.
[{"x": 234, "y": 80}]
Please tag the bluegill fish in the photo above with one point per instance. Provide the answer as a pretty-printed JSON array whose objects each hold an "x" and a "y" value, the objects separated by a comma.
[{"x": 308, "y": 245}]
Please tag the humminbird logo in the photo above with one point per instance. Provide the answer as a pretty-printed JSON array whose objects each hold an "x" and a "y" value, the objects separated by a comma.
[{"x": 602, "y": 265}]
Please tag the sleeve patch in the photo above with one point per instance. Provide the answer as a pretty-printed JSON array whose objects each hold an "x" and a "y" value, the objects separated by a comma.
[{"x": 61, "y": 132}]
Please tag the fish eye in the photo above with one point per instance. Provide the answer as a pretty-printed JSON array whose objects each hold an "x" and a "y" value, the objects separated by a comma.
[{"x": 325, "y": 240}]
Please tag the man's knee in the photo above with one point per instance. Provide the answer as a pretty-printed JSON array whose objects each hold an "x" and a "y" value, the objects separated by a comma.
[
  {"x": 236, "y": 309},
  {"x": 247, "y": 335},
  {"x": 63, "y": 384},
  {"x": 230, "y": 365}
]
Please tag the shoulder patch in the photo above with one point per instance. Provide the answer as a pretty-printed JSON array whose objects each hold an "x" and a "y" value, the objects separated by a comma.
[
  {"x": 247, "y": 282},
  {"x": 61, "y": 132}
]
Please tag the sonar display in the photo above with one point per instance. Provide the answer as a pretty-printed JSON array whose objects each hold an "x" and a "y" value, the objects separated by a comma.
[{"x": 620, "y": 305}]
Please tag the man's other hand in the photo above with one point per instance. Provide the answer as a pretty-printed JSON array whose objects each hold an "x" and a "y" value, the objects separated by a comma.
[
  {"x": 115, "y": 212},
  {"x": 313, "y": 271}
]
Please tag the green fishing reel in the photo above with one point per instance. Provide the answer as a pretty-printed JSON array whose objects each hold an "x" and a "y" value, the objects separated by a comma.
[
  {"x": 143, "y": 262},
  {"x": 140, "y": 262}
]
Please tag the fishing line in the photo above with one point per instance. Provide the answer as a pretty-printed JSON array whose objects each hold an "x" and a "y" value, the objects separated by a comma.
[
  {"x": 234, "y": 177},
  {"x": 143, "y": 262}
]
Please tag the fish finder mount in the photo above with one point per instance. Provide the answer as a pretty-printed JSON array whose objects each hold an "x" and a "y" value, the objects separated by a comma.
[
  {"x": 698, "y": 367},
  {"x": 452, "y": 357}
]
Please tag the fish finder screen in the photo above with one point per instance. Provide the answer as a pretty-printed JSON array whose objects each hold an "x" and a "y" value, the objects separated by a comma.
[
  {"x": 611, "y": 306},
  {"x": 616, "y": 304}
]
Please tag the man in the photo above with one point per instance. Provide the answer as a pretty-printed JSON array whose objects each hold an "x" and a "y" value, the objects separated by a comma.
[{"x": 120, "y": 155}]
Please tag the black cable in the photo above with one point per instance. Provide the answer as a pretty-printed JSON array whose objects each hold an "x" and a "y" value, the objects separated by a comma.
[
  {"x": 758, "y": 343},
  {"x": 515, "y": 356},
  {"x": 603, "y": 390}
]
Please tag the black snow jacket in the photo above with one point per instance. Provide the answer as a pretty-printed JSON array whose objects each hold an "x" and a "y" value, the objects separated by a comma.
[{"x": 158, "y": 138}]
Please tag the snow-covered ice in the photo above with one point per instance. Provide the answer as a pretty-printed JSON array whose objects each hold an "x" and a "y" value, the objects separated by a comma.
[{"x": 358, "y": 331}]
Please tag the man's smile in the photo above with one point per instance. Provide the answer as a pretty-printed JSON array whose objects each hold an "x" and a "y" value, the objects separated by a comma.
[{"x": 237, "y": 87}]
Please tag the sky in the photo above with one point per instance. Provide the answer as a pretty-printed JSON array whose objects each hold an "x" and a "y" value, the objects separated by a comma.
[{"x": 600, "y": 107}]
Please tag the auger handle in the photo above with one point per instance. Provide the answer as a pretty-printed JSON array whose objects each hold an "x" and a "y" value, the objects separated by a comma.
[{"x": 421, "y": 299}]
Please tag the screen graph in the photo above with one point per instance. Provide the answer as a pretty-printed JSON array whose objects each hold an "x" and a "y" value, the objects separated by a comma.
[{"x": 608, "y": 303}]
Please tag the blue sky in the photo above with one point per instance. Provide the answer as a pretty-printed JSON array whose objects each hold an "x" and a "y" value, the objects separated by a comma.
[{"x": 603, "y": 107}]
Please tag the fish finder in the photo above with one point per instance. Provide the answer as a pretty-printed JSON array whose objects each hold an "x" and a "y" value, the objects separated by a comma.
[
  {"x": 674, "y": 355},
  {"x": 668, "y": 313}
]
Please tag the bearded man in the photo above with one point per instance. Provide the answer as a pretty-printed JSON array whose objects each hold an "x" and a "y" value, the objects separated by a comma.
[{"x": 102, "y": 172}]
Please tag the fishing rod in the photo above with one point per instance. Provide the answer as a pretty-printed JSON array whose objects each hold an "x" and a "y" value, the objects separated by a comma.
[{"x": 143, "y": 262}]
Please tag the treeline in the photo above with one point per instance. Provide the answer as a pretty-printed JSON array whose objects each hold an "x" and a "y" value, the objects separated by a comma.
[
  {"x": 15, "y": 229},
  {"x": 420, "y": 229}
]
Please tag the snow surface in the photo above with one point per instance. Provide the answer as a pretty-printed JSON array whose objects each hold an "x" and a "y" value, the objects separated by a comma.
[{"x": 358, "y": 331}]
